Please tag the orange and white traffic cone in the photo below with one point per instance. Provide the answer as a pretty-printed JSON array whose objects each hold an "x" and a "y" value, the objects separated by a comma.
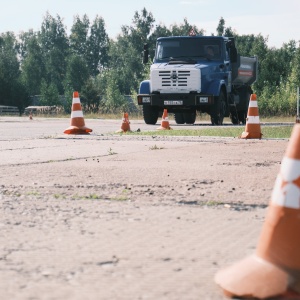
[
  {"x": 125, "y": 126},
  {"x": 165, "y": 125},
  {"x": 274, "y": 269},
  {"x": 252, "y": 129},
  {"x": 77, "y": 125}
]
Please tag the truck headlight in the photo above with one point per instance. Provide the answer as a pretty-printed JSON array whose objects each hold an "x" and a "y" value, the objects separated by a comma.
[
  {"x": 146, "y": 99},
  {"x": 203, "y": 100},
  {"x": 143, "y": 99}
]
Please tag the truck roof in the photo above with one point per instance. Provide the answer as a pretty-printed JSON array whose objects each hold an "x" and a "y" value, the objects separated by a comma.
[{"x": 194, "y": 37}]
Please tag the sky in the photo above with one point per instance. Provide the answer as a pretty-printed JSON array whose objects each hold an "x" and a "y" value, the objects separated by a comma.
[{"x": 277, "y": 20}]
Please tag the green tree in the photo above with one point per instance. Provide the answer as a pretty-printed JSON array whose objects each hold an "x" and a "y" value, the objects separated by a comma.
[
  {"x": 294, "y": 76},
  {"x": 79, "y": 35},
  {"x": 114, "y": 99},
  {"x": 24, "y": 39},
  {"x": 97, "y": 47},
  {"x": 221, "y": 27},
  {"x": 77, "y": 72},
  {"x": 184, "y": 29},
  {"x": 90, "y": 95},
  {"x": 126, "y": 53},
  {"x": 55, "y": 49},
  {"x": 49, "y": 94},
  {"x": 11, "y": 90},
  {"x": 33, "y": 68}
]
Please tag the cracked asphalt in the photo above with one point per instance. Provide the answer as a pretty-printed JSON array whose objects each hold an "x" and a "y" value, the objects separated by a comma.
[{"x": 110, "y": 216}]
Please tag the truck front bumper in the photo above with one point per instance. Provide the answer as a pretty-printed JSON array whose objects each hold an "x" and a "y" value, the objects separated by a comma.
[{"x": 176, "y": 100}]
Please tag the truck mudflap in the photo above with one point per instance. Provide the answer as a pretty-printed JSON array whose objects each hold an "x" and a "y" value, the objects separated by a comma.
[{"x": 179, "y": 100}]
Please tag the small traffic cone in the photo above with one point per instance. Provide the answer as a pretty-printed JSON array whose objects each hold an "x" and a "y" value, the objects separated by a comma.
[
  {"x": 125, "y": 126},
  {"x": 274, "y": 269},
  {"x": 165, "y": 125},
  {"x": 252, "y": 129},
  {"x": 77, "y": 121}
]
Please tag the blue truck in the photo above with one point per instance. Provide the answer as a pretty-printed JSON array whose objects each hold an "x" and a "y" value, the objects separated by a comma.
[{"x": 191, "y": 74}]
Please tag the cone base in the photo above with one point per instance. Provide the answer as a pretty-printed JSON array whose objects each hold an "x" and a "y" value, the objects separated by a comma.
[
  {"x": 253, "y": 277},
  {"x": 122, "y": 131},
  {"x": 77, "y": 130},
  {"x": 164, "y": 128},
  {"x": 252, "y": 135}
]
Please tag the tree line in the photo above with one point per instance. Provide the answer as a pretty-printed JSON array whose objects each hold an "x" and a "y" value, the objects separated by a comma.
[{"x": 52, "y": 63}]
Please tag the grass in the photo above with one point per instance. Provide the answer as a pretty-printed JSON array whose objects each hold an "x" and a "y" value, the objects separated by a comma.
[
  {"x": 201, "y": 117},
  {"x": 33, "y": 193},
  {"x": 267, "y": 131}
]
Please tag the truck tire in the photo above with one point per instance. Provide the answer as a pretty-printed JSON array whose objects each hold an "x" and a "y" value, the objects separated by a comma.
[
  {"x": 234, "y": 118},
  {"x": 150, "y": 115},
  {"x": 244, "y": 94},
  {"x": 242, "y": 116},
  {"x": 179, "y": 118},
  {"x": 218, "y": 110},
  {"x": 238, "y": 117},
  {"x": 189, "y": 118}
]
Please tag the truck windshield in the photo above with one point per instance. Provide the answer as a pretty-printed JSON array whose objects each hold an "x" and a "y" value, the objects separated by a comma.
[{"x": 187, "y": 49}]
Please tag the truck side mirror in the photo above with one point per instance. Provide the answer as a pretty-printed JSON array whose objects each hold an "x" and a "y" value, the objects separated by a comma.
[
  {"x": 233, "y": 55},
  {"x": 145, "y": 54}
]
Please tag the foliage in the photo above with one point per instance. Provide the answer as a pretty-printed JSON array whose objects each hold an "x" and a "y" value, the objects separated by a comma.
[
  {"x": 97, "y": 47},
  {"x": 12, "y": 91},
  {"x": 49, "y": 94},
  {"x": 126, "y": 53},
  {"x": 33, "y": 69},
  {"x": 79, "y": 35},
  {"x": 55, "y": 47},
  {"x": 184, "y": 29},
  {"x": 114, "y": 100},
  {"x": 221, "y": 27},
  {"x": 77, "y": 72},
  {"x": 90, "y": 97},
  {"x": 233, "y": 132}
]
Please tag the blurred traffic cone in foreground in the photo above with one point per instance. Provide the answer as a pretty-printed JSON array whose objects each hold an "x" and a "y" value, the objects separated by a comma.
[
  {"x": 165, "y": 125},
  {"x": 274, "y": 269},
  {"x": 77, "y": 121},
  {"x": 125, "y": 126},
  {"x": 252, "y": 129}
]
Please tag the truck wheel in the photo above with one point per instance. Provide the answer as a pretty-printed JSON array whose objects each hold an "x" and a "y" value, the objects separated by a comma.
[
  {"x": 150, "y": 115},
  {"x": 242, "y": 116},
  {"x": 234, "y": 118},
  {"x": 179, "y": 119},
  {"x": 218, "y": 110},
  {"x": 189, "y": 118}
]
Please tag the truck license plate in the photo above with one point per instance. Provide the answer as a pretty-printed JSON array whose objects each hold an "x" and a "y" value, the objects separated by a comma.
[{"x": 173, "y": 102}]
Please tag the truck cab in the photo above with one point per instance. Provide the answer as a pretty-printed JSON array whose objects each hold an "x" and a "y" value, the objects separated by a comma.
[{"x": 197, "y": 73}]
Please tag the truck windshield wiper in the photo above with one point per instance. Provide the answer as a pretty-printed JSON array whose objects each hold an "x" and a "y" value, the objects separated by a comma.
[
  {"x": 182, "y": 59},
  {"x": 176, "y": 57},
  {"x": 185, "y": 59}
]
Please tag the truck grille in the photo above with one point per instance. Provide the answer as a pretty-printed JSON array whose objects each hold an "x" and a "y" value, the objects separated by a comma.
[
  {"x": 179, "y": 78},
  {"x": 174, "y": 80}
]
